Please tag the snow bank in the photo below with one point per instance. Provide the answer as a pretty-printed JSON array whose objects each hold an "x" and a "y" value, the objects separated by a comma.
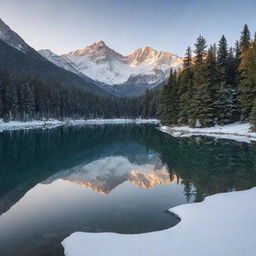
[
  {"x": 16, "y": 125},
  {"x": 112, "y": 121},
  {"x": 52, "y": 123},
  {"x": 236, "y": 131},
  {"x": 223, "y": 224}
]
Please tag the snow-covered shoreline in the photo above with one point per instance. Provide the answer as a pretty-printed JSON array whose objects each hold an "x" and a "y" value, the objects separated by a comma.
[
  {"x": 237, "y": 131},
  {"x": 53, "y": 123},
  {"x": 223, "y": 224}
]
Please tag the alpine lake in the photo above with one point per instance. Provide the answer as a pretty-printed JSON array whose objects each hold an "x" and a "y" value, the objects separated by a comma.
[{"x": 118, "y": 178}]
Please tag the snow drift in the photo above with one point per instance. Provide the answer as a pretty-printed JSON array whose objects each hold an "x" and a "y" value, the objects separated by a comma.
[{"x": 223, "y": 224}]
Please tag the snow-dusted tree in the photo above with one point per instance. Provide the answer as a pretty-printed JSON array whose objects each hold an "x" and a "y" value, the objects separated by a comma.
[
  {"x": 10, "y": 100},
  {"x": 26, "y": 101},
  {"x": 222, "y": 59},
  {"x": 169, "y": 100},
  {"x": 226, "y": 104},
  {"x": 253, "y": 116},
  {"x": 248, "y": 81}
]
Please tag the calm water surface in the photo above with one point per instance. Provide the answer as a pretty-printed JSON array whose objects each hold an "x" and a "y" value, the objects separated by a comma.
[{"x": 111, "y": 178}]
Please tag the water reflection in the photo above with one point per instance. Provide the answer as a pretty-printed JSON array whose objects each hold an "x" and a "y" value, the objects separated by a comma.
[
  {"x": 107, "y": 178},
  {"x": 105, "y": 174}
]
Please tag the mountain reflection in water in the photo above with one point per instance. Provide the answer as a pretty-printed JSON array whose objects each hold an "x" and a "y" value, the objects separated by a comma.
[
  {"x": 105, "y": 174},
  {"x": 133, "y": 173}
]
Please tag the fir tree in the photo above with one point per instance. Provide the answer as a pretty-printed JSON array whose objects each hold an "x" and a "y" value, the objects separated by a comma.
[
  {"x": 10, "y": 100},
  {"x": 26, "y": 102},
  {"x": 200, "y": 50},
  {"x": 233, "y": 83},
  {"x": 253, "y": 116},
  {"x": 185, "y": 86},
  {"x": 237, "y": 61},
  {"x": 211, "y": 65},
  {"x": 169, "y": 100},
  {"x": 245, "y": 39},
  {"x": 226, "y": 104},
  {"x": 201, "y": 107},
  {"x": 222, "y": 59},
  {"x": 248, "y": 81},
  {"x": 187, "y": 62}
]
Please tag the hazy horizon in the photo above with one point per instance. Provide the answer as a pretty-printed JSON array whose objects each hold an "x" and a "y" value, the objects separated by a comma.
[{"x": 64, "y": 26}]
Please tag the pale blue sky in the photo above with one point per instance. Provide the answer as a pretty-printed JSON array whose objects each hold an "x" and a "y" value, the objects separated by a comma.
[{"x": 125, "y": 25}]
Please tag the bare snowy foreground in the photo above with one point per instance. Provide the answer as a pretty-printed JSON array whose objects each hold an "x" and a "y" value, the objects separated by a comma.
[
  {"x": 52, "y": 123},
  {"x": 223, "y": 224},
  {"x": 236, "y": 131}
]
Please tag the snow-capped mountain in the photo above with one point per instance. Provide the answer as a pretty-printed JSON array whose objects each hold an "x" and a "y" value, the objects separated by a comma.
[
  {"x": 16, "y": 56},
  {"x": 97, "y": 65},
  {"x": 60, "y": 61},
  {"x": 143, "y": 66},
  {"x": 122, "y": 75},
  {"x": 105, "y": 174},
  {"x": 12, "y": 39}
]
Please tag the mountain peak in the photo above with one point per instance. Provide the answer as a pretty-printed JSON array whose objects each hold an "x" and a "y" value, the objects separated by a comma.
[
  {"x": 95, "y": 51},
  {"x": 144, "y": 66},
  {"x": 100, "y": 43},
  {"x": 148, "y": 48}
]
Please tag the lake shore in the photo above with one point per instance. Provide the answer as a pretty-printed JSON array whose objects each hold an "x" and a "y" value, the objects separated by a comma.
[
  {"x": 53, "y": 123},
  {"x": 237, "y": 131},
  {"x": 210, "y": 228}
]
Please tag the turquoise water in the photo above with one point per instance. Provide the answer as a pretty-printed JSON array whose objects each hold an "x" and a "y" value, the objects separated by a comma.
[{"x": 111, "y": 178}]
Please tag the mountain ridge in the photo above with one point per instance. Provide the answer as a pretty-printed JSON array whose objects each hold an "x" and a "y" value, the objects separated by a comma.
[
  {"x": 130, "y": 75},
  {"x": 118, "y": 69},
  {"x": 18, "y": 57}
]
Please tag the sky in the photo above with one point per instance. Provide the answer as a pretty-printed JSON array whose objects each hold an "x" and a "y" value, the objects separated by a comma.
[{"x": 126, "y": 25}]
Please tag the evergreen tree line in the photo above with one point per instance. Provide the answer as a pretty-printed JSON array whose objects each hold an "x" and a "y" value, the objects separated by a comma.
[
  {"x": 23, "y": 98},
  {"x": 217, "y": 85}
]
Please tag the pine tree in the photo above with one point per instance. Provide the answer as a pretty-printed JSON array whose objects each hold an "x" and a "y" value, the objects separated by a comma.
[
  {"x": 201, "y": 107},
  {"x": 237, "y": 61},
  {"x": 233, "y": 84},
  {"x": 231, "y": 67},
  {"x": 185, "y": 86},
  {"x": 253, "y": 116},
  {"x": 1, "y": 98},
  {"x": 248, "y": 81},
  {"x": 222, "y": 59},
  {"x": 169, "y": 100},
  {"x": 187, "y": 62},
  {"x": 10, "y": 100},
  {"x": 200, "y": 50},
  {"x": 226, "y": 104},
  {"x": 26, "y": 102},
  {"x": 245, "y": 39},
  {"x": 211, "y": 64}
]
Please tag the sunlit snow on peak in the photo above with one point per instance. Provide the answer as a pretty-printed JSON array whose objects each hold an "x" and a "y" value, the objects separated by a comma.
[{"x": 103, "y": 64}]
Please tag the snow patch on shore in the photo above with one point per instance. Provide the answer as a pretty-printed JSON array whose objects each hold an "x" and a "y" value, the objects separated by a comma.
[
  {"x": 223, "y": 224},
  {"x": 237, "y": 131},
  {"x": 52, "y": 123}
]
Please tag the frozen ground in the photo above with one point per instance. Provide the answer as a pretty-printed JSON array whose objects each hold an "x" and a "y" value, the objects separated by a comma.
[
  {"x": 236, "y": 131},
  {"x": 223, "y": 225},
  {"x": 16, "y": 125}
]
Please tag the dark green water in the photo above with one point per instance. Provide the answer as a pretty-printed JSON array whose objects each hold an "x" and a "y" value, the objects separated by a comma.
[{"x": 112, "y": 178}]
